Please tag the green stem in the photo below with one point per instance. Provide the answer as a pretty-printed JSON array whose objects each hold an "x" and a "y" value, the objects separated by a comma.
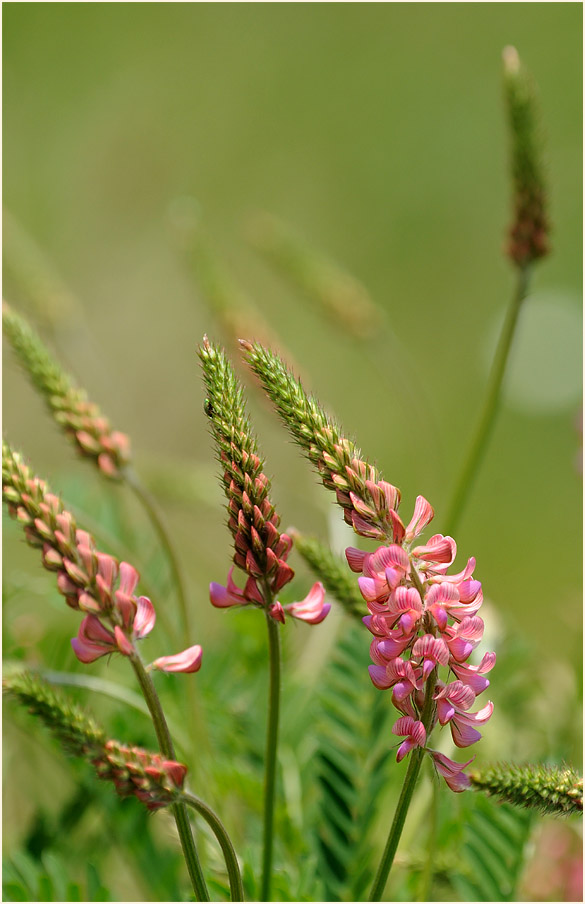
[
  {"x": 432, "y": 818},
  {"x": 166, "y": 747},
  {"x": 151, "y": 509},
  {"x": 484, "y": 428},
  {"x": 271, "y": 746},
  {"x": 218, "y": 829},
  {"x": 405, "y": 796}
]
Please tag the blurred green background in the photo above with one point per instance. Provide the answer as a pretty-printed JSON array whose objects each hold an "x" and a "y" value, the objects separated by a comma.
[{"x": 377, "y": 131}]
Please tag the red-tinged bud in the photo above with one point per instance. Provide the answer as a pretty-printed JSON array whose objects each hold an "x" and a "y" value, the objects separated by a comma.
[
  {"x": 283, "y": 546},
  {"x": 76, "y": 573},
  {"x": 257, "y": 545},
  {"x": 272, "y": 562},
  {"x": 88, "y": 603},
  {"x": 52, "y": 560},
  {"x": 271, "y": 534},
  {"x": 107, "y": 465},
  {"x": 68, "y": 589},
  {"x": 11, "y": 495},
  {"x": 284, "y": 574},
  {"x": 65, "y": 546},
  {"x": 277, "y": 612},
  {"x": 258, "y": 518},
  {"x": 252, "y": 566},
  {"x": 241, "y": 542},
  {"x": 242, "y": 522},
  {"x": 23, "y": 517},
  {"x": 246, "y": 504},
  {"x": 53, "y": 502},
  {"x": 87, "y": 442}
]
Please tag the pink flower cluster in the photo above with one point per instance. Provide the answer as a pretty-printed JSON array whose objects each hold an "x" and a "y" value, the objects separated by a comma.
[
  {"x": 94, "y": 583},
  {"x": 422, "y": 619},
  {"x": 312, "y": 609}
]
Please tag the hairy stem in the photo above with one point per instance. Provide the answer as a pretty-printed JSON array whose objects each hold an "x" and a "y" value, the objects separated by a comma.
[
  {"x": 167, "y": 749},
  {"x": 405, "y": 797},
  {"x": 271, "y": 747},
  {"x": 485, "y": 425},
  {"x": 218, "y": 829}
]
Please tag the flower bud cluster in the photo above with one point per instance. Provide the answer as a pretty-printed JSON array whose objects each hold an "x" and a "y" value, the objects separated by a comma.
[
  {"x": 366, "y": 499},
  {"x": 147, "y": 776},
  {"x": 261, "y": 550},
  {"x": 80, "y": 419},
  {"x": 529, "y": 239},
  {"x": 424, "y": 619},
  {"x": 91, "y": 581},
  {"x": 139, "y": 773}
]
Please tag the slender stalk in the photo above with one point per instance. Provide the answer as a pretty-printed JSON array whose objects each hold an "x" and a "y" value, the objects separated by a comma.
[
  {"x": 271, "y": 745},
  {"x": 484, "y": 428},
  {"x": 405, "y": 797},
  {"x": 218, "y": 829},
  {"x": 151, "y": 509},
  {"x": 432, "y": 818},
  {"x": 166, "y": 747}
]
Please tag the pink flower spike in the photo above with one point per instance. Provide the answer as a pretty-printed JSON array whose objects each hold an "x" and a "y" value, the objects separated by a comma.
[
  {"x": 415, "y": 732},
  {"x": 451, "y": 771},
  {"x": 145, "y": 617},
  {"x": 313, "y": 609},
  {"x": 188, "y": 661},
  {"x": 423, "y": 515}
]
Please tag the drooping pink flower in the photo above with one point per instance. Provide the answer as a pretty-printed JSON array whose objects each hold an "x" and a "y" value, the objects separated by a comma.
[
  {"x": 416, "y": 735},
  {"x": 187, "y": 661},
  {"x": 313, "y": 608},
  {"x": 473, "y": 674},
  {"x": 451, "y": 771},
  {"x": 95, "y": 640}
]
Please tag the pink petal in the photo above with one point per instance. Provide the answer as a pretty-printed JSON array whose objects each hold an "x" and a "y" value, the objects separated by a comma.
[
  {"x": 463, "y": 735},
  {"x": 423, "y": 515},
  {"x": 277, "y": 612},
  {"x": 379, "y": 677},
  {"x": 86, "y": 651},
  {"x": 145, "y": 617},
  {"x": 355, "y": 558},
  {"x": 451, "y": 771},
  {"x": 221, "y": 598},
  {"x": 188, "y": 661},
  {"x": 124, "y": 644},
  {"x": 129, "y": 578},
  {"x": 403, "y": 726},
  {"x": 312, "y": 609}
]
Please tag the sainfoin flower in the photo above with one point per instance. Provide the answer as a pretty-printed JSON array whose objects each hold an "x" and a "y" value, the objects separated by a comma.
[
  {"x": 424, "y": 619},
  {"x": 312, "y": 609},
  {"x": 91, "y": 581}
]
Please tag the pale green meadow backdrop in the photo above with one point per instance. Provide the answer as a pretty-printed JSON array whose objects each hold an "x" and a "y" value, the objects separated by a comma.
[{"x": 377, "y": 132}]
